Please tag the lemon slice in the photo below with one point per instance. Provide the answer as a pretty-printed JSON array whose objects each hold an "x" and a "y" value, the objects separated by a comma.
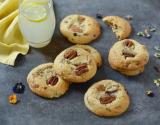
[{"x": 35, "y": 12}]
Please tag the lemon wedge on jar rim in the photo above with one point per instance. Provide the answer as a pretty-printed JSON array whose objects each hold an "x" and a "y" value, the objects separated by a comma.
[{"x": 35, "y": 11}]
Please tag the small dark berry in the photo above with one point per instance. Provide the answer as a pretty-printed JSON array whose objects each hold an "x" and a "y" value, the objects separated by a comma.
[
  {"x": 149, "y": 93},
  {"x": 99, "y": 16},
  {"x": 18, "y": 88}
]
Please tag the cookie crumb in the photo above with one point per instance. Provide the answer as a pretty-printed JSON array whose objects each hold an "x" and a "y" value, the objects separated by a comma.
[
  {"x": 149, "y": 93},
  {"x": 12, "y": 99}
]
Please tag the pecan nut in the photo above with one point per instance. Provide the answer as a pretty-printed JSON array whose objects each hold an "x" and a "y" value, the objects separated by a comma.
[
  {"x": 129, "y": 43},
  {"x": 101, "y": 88},
  {"x": 52, "y": 80},
  {"x": 70, "y": 54},
  {"x": 35, "y": 85},
  {"x": 81, "y": 68},
  {"x": 81, "y": 19},
  {"x": 112, "y": 89},
  {"x": 107, "y": 99},
  {"x": 75, "y": 28},
  {"x": 128, "y": 53}
]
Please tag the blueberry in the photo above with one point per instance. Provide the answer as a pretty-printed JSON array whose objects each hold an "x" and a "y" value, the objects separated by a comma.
[
  {"x": 18, "y": 88},
  {"x": 99, "y": 16}
]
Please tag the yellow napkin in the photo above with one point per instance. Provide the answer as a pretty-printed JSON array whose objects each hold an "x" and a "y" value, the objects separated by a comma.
[{"x": 12, "y": 42}]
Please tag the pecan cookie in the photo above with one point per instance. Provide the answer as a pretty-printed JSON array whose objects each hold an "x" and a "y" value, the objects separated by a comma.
[
  {"x": 45, "y": 82},
  {"x": 120, "y": 26},
  {"x": 95, "y": 54},
  {"x": 75, "y": 65},
  {"x": 128, "y": 57},
  {"x": 80, "y": 29},
  {"x": 107, "y": 98},
  {"x": 129, "y": 72}
]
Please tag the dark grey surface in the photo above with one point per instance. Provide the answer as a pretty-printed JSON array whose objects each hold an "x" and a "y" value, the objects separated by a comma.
[{"x": 70, "y": 109}]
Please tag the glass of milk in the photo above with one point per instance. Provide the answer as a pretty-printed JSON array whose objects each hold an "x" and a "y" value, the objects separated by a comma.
[{"x": 37, "y": 21}]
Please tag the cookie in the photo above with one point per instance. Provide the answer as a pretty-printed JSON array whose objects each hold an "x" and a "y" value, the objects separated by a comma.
[
  {"x": 130, "y": 72},
  {"x": 75, "y": 65},
  {"x": 95, "y": 54},
  {"x": 80, "y": 29},
  {"x": 128, "y": 56},
  {"x": 120, "y": 26},
  {"x": 45, "y": 82},
  {"x": 107, "y": 98}
]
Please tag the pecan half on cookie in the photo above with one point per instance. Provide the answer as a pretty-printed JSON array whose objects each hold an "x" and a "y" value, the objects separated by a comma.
[
  {"x": 70, "y": 54},
  {"x": 52, "y": 80},
  {"x": 75, "y": 65},
  {"x": 47, "y": 83},
  {"x": 81, "y": 68},
  {"x": 107, "y": 99},
  {"x": 128, "y": 50}
]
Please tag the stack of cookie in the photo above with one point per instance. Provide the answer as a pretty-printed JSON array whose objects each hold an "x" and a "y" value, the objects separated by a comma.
[
  {"x": 128, "y": 57},
  {"x": 45, "y": 82},
  {"x": 76, "y": 64}
]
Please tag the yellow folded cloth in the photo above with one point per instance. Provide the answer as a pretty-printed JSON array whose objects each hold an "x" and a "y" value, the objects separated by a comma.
[{"x": 12, "y": 43}]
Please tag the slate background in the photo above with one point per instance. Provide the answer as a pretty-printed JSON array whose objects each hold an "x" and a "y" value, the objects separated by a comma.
[{"x": 70, "y": 109}]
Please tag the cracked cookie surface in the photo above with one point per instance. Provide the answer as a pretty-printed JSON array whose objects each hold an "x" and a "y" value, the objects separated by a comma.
[
  {"x": 75, "y": 65},
  {"x": 120, "y": 26},
  {"x": 107, "y": 98},
  {"x": 45, "y": 82},
  {"x": 95, "y": 54},
  {"x": 80, "y": 29}
]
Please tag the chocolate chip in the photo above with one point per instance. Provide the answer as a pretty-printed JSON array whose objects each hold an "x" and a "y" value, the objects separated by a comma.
[{"x": 74, "y": 34}]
